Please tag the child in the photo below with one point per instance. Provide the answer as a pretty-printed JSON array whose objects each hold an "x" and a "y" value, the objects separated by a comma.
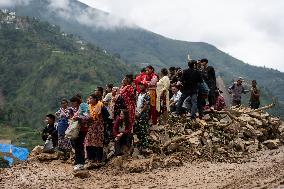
[
  {"x": 122, "y": 131},
  {"x": 63, "y": 114},
  {"x": 220, "y": 101},
  {"x": 50, "y": 131}
]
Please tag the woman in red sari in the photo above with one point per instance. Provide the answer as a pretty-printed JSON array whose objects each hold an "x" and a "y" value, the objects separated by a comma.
[{"x": 128, "y": 95}]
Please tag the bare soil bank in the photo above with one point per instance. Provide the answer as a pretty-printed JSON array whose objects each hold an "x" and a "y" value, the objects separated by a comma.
[{"x": 265, "y": 170}]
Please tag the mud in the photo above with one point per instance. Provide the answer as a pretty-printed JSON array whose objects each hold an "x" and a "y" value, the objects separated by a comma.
[{"x": 264, "y": 170}]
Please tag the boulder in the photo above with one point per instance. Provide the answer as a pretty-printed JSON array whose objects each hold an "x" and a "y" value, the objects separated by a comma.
[
  {"x": 172, "y": 147},
  {"x": 281, "y": 128},
  {"x": 194, "y": 141},
  {"x": 46, "y": 157},
  {"x": 253, "y": 147},
  {"x": 272, "y": 144},
  {"x": 153, "y": 137},
  {"x": 136, "y": 153},
  {"x": 35, "y": 152},
  {"x": 239, "y": 145},
  {"x": 173, "y": 161},
  {"x": 207, "y": 117},
  {"x": 245, "y": 118},
  {"x": 82, "y": 174},
  {"x": 137, "y": 166},
  {"x": 116, "y": 162}
]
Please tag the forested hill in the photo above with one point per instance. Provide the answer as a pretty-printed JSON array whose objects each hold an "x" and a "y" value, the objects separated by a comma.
[
  {"x": 139, "y": 46},
  {"x": 39, "y": 64}
]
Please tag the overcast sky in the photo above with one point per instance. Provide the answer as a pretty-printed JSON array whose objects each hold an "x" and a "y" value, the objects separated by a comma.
[{"x": 250, "y": 30}]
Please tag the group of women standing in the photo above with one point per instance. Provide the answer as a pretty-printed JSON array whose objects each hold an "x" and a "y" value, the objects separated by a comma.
[{"x": 114, "y": 113}]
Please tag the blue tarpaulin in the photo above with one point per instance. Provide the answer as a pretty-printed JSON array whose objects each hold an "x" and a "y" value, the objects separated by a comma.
[
  {"x": 20, "y": 153},
  {"x": 5, "y": 148},
  {"x": 10, "y": 160},
  {"x": 17, "y": 152}
]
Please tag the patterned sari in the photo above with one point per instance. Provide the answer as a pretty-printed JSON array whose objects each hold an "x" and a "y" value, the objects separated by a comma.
[
  {"x": 95, "y": 134},
  {"x": 127, "y": 93}
]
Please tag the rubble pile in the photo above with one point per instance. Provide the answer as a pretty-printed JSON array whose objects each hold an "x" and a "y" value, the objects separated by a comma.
[
  {"x": 231, "y": 136},
  {"x": 226, "y": 136}
]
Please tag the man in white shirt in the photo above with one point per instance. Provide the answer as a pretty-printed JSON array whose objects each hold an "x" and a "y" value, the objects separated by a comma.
[{"x": 175, "y": 98}]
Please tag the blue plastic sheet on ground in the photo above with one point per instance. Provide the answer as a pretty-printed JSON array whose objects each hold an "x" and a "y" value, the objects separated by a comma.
[
  {"x": 5, "y": 148},
  {"x": 10, "y": 160},
  {"x": 17, "y": 152},
  {"x": 20, "y": 153}
]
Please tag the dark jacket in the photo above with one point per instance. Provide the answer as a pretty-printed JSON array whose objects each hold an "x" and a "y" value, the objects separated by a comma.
[
  {"x": 190, "y": 80},
  {"x": 209, "y": 76},
  {"x": 50, "y": 130}
]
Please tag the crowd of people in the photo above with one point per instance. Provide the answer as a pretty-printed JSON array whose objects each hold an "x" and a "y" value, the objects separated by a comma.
[{"x": 114, "y": 114}]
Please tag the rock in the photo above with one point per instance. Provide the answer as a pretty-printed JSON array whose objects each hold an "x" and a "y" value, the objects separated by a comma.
[
  {"x": 173, "y": 161},
  {"x": 135, "y": 139},
  {"x": 252, "y": 148},
  {"x": 250, "y": 131},
  {"x": 275, "y": 121},
  {"x": 82, "y": 174},
  {"x": 116, "y": 162},
  {"x": 159, "y": 128},
  {"x": 37, "y": 150},
  {"x": 135, "y": 153},
  {"x": 195, "y": 141},
  {"x": 197, "y": 152},
  {"x": 173, "y": 147},
  {"x": 197, "y": 133},
  {"x": 216, "y": 139},
  {"x": 255, "y": 114},
  {"x": 272, "y": 144},
  {"x": 141, "y": 157},
  {"x": 282, "y": 137},
  {"x": 245, "y": 118},
  {"x": 47, "y": 157},
  {"x": 207, "y": 117},
  {"x": 221, "y": 150},
  {"x": 264, "y": 115},
  {"x": 153, "y": 137},
  {"x": 281, "y": 128},
  {"x": 188, "y": 131},
  {"x": 215, "y": 119},
  {"x": 137, "y": 166},
  {"x": 258, "y": 122},
  {"x": 239, "y": 145},
  {"x": 226, "y": 120}
]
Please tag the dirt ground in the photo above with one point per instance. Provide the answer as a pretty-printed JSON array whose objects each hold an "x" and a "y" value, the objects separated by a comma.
[{"x": 265, "y": 170}]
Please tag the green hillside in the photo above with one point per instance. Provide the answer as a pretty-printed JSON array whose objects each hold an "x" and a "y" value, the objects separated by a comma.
[
  {"x": 39, "y": 65},
  {"x": 138, "y": 46}
]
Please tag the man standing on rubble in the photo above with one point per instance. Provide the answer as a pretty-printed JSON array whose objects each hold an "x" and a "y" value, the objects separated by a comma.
[
  {"x": 254, "y": 97},
  {"x": 237, "y": 89},
  {"x": 209, "y": 77},
  {"x": 190, "y": 80}
]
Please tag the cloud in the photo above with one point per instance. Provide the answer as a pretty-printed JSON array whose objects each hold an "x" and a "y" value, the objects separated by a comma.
[
  {"x": 89, "y": 16},
  {"x": 252, "y": 31},
  {"x": 9, "y": 3},
  {"x": 100, "y": 19}
]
